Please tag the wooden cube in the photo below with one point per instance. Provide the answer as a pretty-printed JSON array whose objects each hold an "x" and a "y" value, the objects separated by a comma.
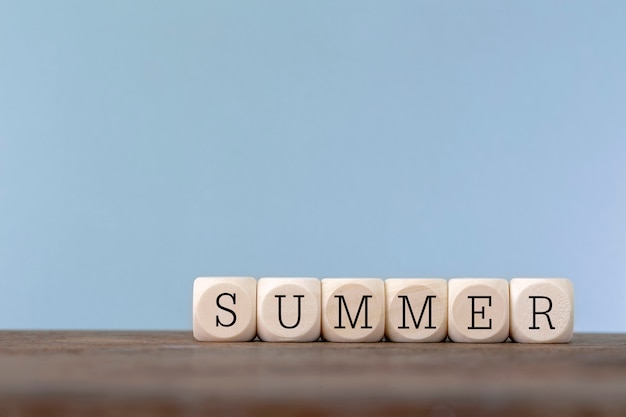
[
  {"x": 478, "y": 310},
  {"x": 416, "y": 310},
  {"x": 289, "y": 309},
  {"x": 542, "y": 310},
  {"x": 224, "y": 309},
  {"x": 353, "y": 309}
]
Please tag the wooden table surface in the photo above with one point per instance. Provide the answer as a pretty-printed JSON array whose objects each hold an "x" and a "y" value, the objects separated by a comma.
[{"x": 168, "y": 373}]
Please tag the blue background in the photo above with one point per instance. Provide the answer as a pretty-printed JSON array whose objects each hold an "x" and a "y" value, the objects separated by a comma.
[{"x": 145, "y": 143}]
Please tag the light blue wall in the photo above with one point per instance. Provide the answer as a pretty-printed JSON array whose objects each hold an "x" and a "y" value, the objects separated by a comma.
[{"x": 145, "y": 143}]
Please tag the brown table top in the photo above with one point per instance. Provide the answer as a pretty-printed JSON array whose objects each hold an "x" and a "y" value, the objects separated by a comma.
[{"x": 167, "y": 373}]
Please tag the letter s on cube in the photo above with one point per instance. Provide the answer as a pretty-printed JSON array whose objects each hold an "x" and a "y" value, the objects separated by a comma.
[{"x": 224, "y": 309}]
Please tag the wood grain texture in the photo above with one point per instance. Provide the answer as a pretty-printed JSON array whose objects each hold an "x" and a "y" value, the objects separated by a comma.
[{"x": 168, "y": 373}]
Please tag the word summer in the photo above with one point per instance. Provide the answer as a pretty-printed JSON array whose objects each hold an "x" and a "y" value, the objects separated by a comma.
[{"x": 470, "y": 310}]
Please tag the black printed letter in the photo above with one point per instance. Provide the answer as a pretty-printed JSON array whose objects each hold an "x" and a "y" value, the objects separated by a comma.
[
  {"x": 280, "y": 310},
  {"x": 358, "y": 312},
  {"x": 545, "y": 313},
  {"x": 481, "y": 312},
  {"x": 405, "y": 303},
  {"x": 218, "y": 323}
]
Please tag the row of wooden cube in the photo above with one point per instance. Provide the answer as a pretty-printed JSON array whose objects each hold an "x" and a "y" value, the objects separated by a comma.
[{"x": 472, "y": 310}]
